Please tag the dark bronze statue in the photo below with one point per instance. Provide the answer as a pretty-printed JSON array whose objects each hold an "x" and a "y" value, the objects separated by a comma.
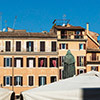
[{"x": 69, "y": 65}]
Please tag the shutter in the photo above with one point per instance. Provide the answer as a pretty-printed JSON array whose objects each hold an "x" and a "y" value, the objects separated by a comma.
[
  {"x": 4, "y": 80},
  {"x": 14, "y": 62},
  {"x": 27, "y": 46},
  {"x": 66, "y": 46},
  {"x": 46, "y": 62},
  {"x": 38, "y": 62},
  {"x": 10, "y": 81},
  {"x": 60, "y": 60},
  {"x": 15, "y": 81},
  {"x": 59, "y": 46},
  {"x": 45, "y": 80},
  {"x": 60, "y": 74},
  {"x": 96, "y": 68},
  {"x": 4, "y": 62},
  {"x": 21, "y": 62},
  {"x": 77, "y": 71},
  {"x": 30, "y": 80},
  {"x": 84, "y": 60},
  {"x": 84, "y": 46},
  {"x": 31, "y": 46},
  {"x": 77, "y": 60},
  {"x": 84, "y": 70},
  {"x": 56, "y": 62},
  {"x": 21, "y": 81},
  {"x": 34, "y": 62},
  {"x": 39, "y": 81},
  {"x": 43, "y": 46},
  {"x": 10, "y": 62},
  {"x": 27, "y": 62}
]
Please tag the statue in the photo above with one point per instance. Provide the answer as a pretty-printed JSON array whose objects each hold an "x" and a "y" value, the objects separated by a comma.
[{"x": 69, "y": 65}]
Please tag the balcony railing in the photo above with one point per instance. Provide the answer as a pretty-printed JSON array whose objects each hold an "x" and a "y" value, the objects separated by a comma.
[{"x": 65, "y": 36}]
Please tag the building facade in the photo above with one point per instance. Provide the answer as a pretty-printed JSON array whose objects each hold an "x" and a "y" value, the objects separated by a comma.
[{"x": 29, "y": 60}]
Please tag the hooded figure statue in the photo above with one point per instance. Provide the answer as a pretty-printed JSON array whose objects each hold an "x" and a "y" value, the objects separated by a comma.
[{"x": 69, "y": 65}]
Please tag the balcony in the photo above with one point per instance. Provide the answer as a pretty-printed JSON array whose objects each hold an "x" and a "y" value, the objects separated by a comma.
[{"x": 93, "y": 60}]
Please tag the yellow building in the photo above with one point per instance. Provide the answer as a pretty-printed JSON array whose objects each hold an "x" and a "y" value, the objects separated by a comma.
[{"x": 29, "y": 60}]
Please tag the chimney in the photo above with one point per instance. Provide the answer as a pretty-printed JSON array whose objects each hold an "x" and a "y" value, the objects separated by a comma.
[{"x": 87, "y": 26}]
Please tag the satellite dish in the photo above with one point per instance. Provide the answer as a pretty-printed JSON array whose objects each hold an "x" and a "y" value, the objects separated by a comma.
[{"x": 4, "y": 29}]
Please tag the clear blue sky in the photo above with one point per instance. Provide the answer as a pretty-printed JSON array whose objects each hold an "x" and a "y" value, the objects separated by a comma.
[{"x": 38, "y": 15}]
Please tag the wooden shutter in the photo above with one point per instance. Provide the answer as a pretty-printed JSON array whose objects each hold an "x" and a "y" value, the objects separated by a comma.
[
  {"x": 66, "y": 46},
  {"x": 84, "y": 46},
  {"x": 27, "y": 62},
  {"x": 84, "y": 60},
  {"x": 4, "y": 62},
  {"x": 10, "y": 81},
  {"x": 42, "y": 46},
  {"x": 59, "y": 46},
  {"x": 77, "y": 60},
  {"x": 7, "y": 45},
  {"x": 14, "y": 62},
  {"x": 15, "y": 81},
  {"x": 84, "y": 70},
  {"x": 30, "y": 80},
  {"x": 60, "y": 76},
  {"x": 10, "y": 62},
  {"x": 77, "y": 71},
  {"x": 27, "y": 46},
  {"x": 96, "y": 68},
  {"x": 46, "y": 62},
  {"x": 53, "y": 46},
  {"x": 45, "y": 80},
  {"x": 31, "y": 46},
  {"x": 21, "y": 62},
  {"x": 60, "y": 61},
  {"x": 93, "y": 56},
  {"x": 34, "y": 62},
  {"x": 56, "y": 62},
  {"x": 4, "y": 80},
  {"x": 18, "y": 46},
  {"x": 21, "y": 81}
]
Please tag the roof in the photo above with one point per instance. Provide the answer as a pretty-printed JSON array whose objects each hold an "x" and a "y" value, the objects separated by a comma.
[
  {"x": 69, "y": 27},
  {"x": 27, "y": 34}
]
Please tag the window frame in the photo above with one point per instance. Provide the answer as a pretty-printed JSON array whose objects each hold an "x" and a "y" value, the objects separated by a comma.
[
  {"x": 6, "y": 48},
  {"x": 33, "y": 81},
  {"x": 6, "y": 80},
  {"x": 62, "y": 46},
  {"x": 82, "y": 46},
  {"x": 43, "y": 83}
]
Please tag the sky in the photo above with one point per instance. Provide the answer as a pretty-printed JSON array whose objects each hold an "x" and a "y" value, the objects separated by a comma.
[{"x": 38, "y": 15}]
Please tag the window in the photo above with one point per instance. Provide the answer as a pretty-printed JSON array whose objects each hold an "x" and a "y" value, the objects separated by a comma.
[
  {"x": 42, "y": 80},
  {"x": 53, "y": 62},
  {"x": 30, "y": 80},
  {"x": 42, "y": 62},
  {"x": 42, "y": 46},
  {"x": 18, "y": 80},
  {"x": 81, "y": 46},
  {"x": 81, "y": 61},
  {"x": 8, "y": 45},
  {"x": 18, "y": 62},
  {"x": 7, "y": 62},
  {"x": 78, "y": 35},
  {"x": 18, "y": 45},
  {"x": 7, "y": 80},
  {"x": 95, "y": 68},
  {"x": 63, "y": 46},
  {"x": 53, "y": 46},
  {"x": 63, "y": 34},
  {"x": 31, "y": 62},
  {"x": 29, "y": 46},
  {"x": 53, "y": 79}
]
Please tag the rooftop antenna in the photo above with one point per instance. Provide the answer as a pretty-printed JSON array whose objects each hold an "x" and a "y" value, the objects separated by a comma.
[
  {"x": 4, "y": 29},
  {"x": 14, "y": 22},
  {"x": 64, "y": 17},
  {"x": 0, "y": 21}
]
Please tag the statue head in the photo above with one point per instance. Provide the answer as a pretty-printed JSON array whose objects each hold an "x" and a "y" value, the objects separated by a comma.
[{"x": 69, "y": 58}]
